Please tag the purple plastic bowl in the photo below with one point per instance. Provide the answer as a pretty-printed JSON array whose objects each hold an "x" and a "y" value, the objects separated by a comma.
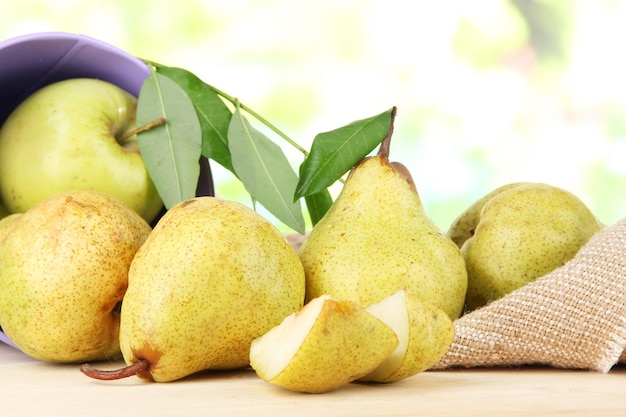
[{"x": 30, "y": 62}]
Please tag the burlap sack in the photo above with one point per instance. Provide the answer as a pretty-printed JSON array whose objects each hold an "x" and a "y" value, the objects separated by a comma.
[{"x": 574, "y": 317}]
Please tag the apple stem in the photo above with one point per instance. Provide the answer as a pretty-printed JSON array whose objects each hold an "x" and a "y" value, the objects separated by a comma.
[
  {"x": 384, "y": 146},
  {"x": 142, "y": 366},
  {"x": 158, "y": 122}
]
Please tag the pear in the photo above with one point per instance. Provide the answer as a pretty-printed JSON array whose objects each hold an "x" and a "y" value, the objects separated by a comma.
[
  {"x": 377, "y": 239},
  {"x": 424, "y": 332},
  {"x": 462, "y": 228},
  {"x": 326, "y": 345},
  {"x": 7, "y": 223},
  {"x": 63, "y": 272},
  {"x": 517, "y": 233},
  {"x": 213, "y": 276}
]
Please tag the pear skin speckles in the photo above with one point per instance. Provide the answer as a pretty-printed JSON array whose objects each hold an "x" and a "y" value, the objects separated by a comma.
[
  {"x": 64, "y": 269},
  {"x": 377, "y": 239},
  {"x": 212, "y": 276},
  {"x": 522, "y": 233}
]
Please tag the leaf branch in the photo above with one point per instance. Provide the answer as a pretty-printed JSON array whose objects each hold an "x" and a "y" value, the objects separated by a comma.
[{"x": 235, "y": 101}]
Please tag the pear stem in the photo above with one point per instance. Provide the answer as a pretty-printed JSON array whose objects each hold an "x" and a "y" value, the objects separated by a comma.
[
  {"x": 158, "y": 122},
  {"x": 384, "y": 146},
  {"x": 142, "y": 366}
]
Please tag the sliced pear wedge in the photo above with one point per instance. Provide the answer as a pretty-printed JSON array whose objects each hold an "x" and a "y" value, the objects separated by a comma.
[
  {"x": 326, "y": 345},
  {"x": 424, "y": 332}
]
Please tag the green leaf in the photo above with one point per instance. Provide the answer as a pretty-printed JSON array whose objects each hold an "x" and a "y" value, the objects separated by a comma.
[
  {"x": 212, "y": 112},
  {"x": 264, "y": 171},
  {"x": 318, "y": 204},
  {"x": 172, "y": 150},
  {"x": 335, "y": 152}
]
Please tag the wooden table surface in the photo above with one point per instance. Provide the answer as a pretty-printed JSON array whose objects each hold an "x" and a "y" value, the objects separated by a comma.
[{"x": 32, "y": 388}]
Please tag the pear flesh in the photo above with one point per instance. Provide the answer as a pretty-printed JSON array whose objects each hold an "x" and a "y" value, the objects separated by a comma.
[
  {"x": 517, "y": 233},
  {"x": 377, "y": 239},
  {"x": 425, "y": 333},
  {"x": 212, "y": 276},
  {"x": 63, "y": 272},
  {"x": 393, "y": 311},
  {"x": 325, "y": 346}
]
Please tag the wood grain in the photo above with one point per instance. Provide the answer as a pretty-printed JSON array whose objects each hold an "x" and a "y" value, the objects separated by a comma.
[{"x": 31, "y": 388}]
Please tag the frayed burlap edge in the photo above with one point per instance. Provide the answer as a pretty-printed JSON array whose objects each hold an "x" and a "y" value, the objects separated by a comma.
[{"x": 574, "y": 317}]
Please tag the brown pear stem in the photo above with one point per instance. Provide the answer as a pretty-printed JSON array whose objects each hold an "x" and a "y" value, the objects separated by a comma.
[
  {"x": 142, "y": 366},
  {"x": 158, "y": 122},
  {"x": 384, "y": 146}
]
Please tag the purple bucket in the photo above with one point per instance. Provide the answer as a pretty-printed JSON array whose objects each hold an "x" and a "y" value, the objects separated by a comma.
[{"x": 30, "y": 62}]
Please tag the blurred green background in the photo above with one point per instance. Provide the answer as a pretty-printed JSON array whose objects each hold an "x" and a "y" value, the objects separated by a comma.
[{"x": 488, "y": 91}]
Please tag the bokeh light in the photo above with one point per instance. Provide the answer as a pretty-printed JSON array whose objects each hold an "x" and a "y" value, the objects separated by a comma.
[{"x": 488, "y": 91}]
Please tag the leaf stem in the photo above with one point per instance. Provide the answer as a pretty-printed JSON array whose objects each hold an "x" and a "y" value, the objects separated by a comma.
[
  {"x": 235, "y": 101},
  {"x": 260, "y": 118}
]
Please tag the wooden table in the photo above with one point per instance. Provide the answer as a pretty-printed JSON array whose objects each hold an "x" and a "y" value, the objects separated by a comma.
[{"x": 32, "y": 388}]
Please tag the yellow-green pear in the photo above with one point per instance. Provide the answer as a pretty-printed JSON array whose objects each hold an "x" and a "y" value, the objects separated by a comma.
[
  {"x": 424, "y": 332},
  {"x": 520, "y": 232},
  {"x": 213, "y": 276},
  {"x": 63, "y": 272},
  {"x": 326, "y": 345},
  {"x": 377, "y": 239},
  {"x": 7, "y": 223},
  {"x": 462, "y": 228}
]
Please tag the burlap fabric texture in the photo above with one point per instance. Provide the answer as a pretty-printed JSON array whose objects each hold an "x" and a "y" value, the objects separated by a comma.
[{"x": 573, "y": 317}]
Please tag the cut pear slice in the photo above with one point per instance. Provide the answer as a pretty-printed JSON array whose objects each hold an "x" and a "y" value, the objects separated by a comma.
[
  {"x": 424, "y": 332},
  {"x": 326, "y": 345}
]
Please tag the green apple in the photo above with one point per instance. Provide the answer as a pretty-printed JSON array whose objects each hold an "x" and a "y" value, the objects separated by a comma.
[{"x": 69, "y": 135}]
